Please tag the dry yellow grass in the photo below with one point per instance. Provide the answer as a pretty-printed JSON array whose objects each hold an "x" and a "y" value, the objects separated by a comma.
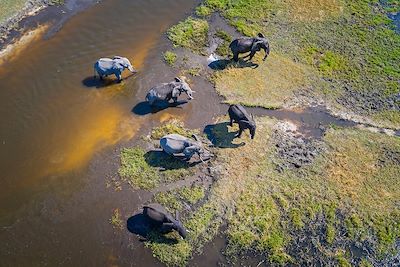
[
  {"x": 363, "y": 169},
  {"x": 313, "y": 10},
  {"x": 269, "y": 85}
]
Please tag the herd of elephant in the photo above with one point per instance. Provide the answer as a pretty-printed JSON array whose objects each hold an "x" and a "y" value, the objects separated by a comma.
[{"x": 175, "y": 144}]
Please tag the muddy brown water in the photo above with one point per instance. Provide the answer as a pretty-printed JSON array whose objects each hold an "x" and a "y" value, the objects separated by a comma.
[{"x": 61, "y": 132}]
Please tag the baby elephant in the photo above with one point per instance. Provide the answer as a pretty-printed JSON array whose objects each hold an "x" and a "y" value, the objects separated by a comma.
[
  {"x": 249, "y": 44},
  {"x": 174, "y": 144},
  {"x": 162, "y": 219},
  {"x": 238, "y": 114},
  {"x": 167, "y": 91}
]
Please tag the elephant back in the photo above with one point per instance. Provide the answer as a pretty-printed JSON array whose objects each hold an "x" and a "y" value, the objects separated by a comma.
[{"x": 173, "y": 143}]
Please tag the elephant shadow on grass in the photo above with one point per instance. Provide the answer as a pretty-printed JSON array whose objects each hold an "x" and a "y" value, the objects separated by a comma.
[
  {"x": 143, "y": 108},
  {"x": 220, "y": 137},
  {"x": 141, "y": 225},
  {"x": 163, "y": 161},
  {"x": 222, "y": 64}
]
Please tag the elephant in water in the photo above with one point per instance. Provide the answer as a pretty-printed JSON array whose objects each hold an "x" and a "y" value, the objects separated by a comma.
[
  {"x": 174, "y": 144},
  {"x": 238, "y": 114},
  {"x": 160, "y": 217},
  {"x": 249, "y": 44},
  {"x": 116, "y": 65},
  {"x": 167, "y": 91}
]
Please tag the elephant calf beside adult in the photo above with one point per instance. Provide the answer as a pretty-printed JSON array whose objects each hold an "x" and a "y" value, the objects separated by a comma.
[
  {"x": 167, "y": 91},
  {"x": 116, "y": 65},
  {"x": 249, "y": 44}
]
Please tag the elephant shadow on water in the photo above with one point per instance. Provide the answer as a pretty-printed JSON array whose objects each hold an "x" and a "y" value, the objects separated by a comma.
[
  {"x": 220, "y": 137},
  {"x": 141, "y": 225},
  {"x": 222, "y": 64},
  {"x": 160, "y": 159},
  {"x": 143, "y": 108},
  {"x": 97, "y": 83}
]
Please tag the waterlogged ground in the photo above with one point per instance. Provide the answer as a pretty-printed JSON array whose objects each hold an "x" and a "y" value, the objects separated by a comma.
[{"x": 310, "y": 189}]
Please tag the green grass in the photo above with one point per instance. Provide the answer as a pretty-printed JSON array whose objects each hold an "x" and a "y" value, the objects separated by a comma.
[
  {"x": 203, "y": 11},
  {"x": 190, "y": 33},
  {"x": 170, "y": 58},
  {"x": 174, "y": 200},
  {"x": 116, "y": 220},
  {"x": 270, "y": 85},
  {"x": 141, "y": 169},
  {"x": 172, "y": 127},
  {"x": 223, "y": 48},
  {"x": 348, "y": 44}
]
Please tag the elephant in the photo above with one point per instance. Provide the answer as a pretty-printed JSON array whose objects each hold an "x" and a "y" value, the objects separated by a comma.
[
  {"x": 174, "y": 144},
  {"x": 249, "y": 44},
  {"x": 161, "y": 218},
  {"x": 238, "y": 114},
  {"x": 116, "y": 65},
  {"x": 167, "y": 91}
]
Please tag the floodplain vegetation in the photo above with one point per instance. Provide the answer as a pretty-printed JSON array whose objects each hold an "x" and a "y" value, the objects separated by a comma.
[
  {"x": 345, "y": 200},
  {"x": 344, "y": 52},
  {"x": 339, "y": 208}
]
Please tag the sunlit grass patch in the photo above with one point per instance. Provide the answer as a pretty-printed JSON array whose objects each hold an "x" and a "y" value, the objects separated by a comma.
[
  {"x": 173, "y": 126},
  {"x": 141, "y": 169},
  {"x": 313, "y": 10},
  {"x": 170, "y": 58},
  {"x": 223, "y": 48},
  {"x": 175, "y": 200},
  {"x": 116, "y": 220},
  {"x": 191, "y": 33},
  {"x": 269, "y": 85}
]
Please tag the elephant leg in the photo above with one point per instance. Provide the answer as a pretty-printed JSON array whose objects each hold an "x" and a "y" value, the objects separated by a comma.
[
  {"x": 230, "y": 122},
  {"x": 166, "y": 228},
  {"x": 252, "y": 55},
  {"x": 239, "y": 133},
  {"x": 236, "y": 57},
  {"x": 118, "y": 77}
]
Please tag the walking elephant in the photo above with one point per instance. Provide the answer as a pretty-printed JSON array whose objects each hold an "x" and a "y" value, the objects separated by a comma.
[
  {"x": 107, "y": 66},
  {"x": 167, "y": 91},
  {"x": 249, "y": 44},
  {"x": 238, "y": 114}
]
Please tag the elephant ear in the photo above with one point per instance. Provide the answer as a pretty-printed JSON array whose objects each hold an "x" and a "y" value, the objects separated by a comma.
[
  {"x": 260, "y": 35},
  {"x": 178, "y": 80}
]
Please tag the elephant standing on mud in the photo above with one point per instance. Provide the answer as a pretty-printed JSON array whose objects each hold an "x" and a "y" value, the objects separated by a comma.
[
  {"x": 249, "y": 44},
  {"x": 167, "y": 91},
  {"x": 161, "y": 218},
  {"x": 116, "y": 65},
  {"x": 175, "y": 144},
  {"x": 238, "y": 114}
]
